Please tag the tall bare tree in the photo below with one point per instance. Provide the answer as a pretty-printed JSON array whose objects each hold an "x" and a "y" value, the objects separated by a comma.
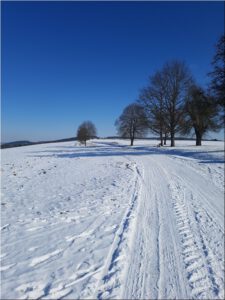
[
  {"x": 163, "y": 99},
  {"x": 200, "y": 114},
  {"x": 86, "y": 131},
  {"x": 132, "y": 123},
  {"x": 176, "y": 81},
  {"x": 217, "y": 85},
  {"x": 152, "y": 98}
]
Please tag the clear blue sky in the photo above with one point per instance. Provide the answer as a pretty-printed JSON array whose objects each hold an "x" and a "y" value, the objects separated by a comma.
[{"x": 66, "y": 62}]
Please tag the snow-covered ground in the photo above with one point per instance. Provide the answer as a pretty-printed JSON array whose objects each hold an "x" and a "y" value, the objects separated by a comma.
[{"x": 111, "y": 221}]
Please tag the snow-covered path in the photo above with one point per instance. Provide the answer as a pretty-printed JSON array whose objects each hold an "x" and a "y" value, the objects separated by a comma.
[
  {"x": 110, "y": 221},
  {"x": 175, "y": 254}
]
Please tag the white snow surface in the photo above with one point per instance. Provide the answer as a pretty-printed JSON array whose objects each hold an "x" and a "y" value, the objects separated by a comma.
[{"x": 111, "y": 221}]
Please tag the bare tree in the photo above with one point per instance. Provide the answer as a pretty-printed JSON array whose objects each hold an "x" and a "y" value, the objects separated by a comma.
[
  {"x": 163, "y": 99},
  {"x": 152, "y": 98},
  {"x": 86, "y": 131},
  {"x": 132, "y": 123},
  {"x": 200, "y": 114},
  {"x": 217, "y": 85},
  {"x": 176, "y": 80}
]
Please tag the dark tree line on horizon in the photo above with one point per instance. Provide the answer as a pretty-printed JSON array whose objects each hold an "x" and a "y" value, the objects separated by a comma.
[{"x": 173, "y": 103}]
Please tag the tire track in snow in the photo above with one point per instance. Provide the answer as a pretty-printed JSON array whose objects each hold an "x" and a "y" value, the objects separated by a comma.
[
  {"x": 172, "y": 256},
  {"x": 138, "y": 277},
  {"x": 154, "y": 271},
  {"x": 203, "y": 187},
  {"x": 138, "y": 271},
  {"x": 217, "y": 176},
  {"x": 207, "y": 223},
  {"x": 111, "y": 276},
  {"x": 201, "y": 277}
]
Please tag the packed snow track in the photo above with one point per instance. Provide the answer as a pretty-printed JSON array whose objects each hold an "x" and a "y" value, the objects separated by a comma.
[{"x": 111, "y": 221}]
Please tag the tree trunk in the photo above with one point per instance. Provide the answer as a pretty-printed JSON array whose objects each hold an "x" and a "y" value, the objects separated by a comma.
[
  {"x": 172, "y": 138},
  {"x": 161, "y": 138},
  {"x": 165, "y": 138},
  {"x": 132, "y": 141},
  {"x": 198, "y": 138}
]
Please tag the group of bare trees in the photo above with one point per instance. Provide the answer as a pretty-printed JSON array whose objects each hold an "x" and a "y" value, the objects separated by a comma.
[{"x": 172, "y": 103}]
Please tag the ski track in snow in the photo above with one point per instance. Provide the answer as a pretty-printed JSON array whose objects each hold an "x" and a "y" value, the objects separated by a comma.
[{"x": 110, "y": 222}]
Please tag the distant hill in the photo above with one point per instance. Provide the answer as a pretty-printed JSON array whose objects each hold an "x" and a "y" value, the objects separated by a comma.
[
  {"x": 16, "y": 144},
  {"x": 28, "y": 143}
]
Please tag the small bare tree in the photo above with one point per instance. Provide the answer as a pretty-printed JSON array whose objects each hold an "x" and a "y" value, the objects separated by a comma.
[
  {"x": 86, "y": 131},
  {"x": 132, "y": 123}
]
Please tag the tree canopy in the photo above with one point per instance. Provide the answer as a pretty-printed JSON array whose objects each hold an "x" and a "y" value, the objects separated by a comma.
[
  {"x": 86, "y": 131},
  {"x": 132, "y": 123}
]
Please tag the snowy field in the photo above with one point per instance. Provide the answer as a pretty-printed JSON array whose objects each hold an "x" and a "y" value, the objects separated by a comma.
[{"x": 111, "y": 221}]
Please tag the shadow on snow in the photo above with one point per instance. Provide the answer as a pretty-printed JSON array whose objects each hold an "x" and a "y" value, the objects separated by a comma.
[{"x": 113, "y": 149}]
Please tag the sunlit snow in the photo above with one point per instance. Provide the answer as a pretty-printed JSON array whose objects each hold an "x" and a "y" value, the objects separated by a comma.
[{"x": 113, "y": 221}]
